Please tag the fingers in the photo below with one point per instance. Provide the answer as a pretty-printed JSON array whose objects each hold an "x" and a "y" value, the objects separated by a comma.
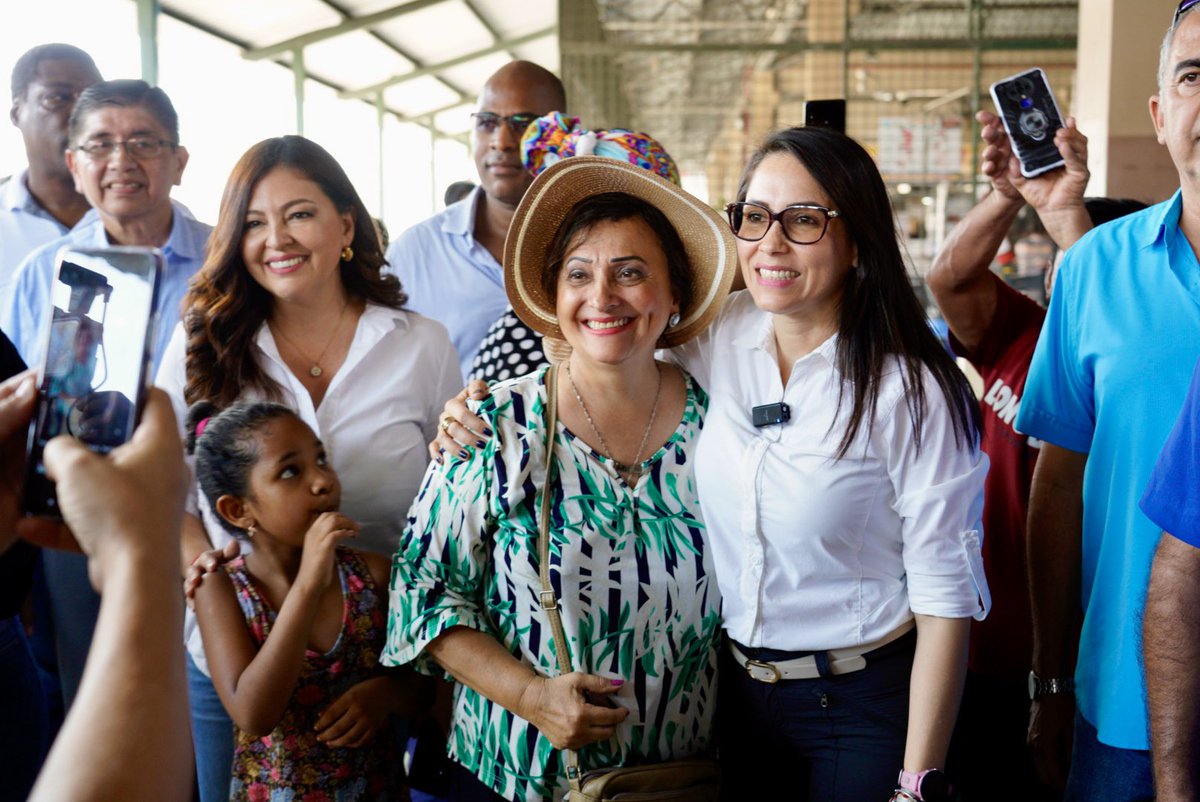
[
  {"x": 336, "y": 711},
  {"x": 16, "y": 402},
  {"x": 357, "y": 735}
]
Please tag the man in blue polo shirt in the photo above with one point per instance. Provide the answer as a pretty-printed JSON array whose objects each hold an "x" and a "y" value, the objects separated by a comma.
[
  {"x": 449, "y": 265},
  {"x": 40, "y": 203},
  {"x": 1171, "y": 631},
  {"x": 125, "y": 157},
  {"x": 1107, "y": 380}
]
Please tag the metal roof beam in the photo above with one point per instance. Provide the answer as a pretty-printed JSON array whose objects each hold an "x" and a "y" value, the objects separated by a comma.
[
  {"x": 431, "y": 69},
  {"x": 351, "y": 24},
  {"x": 619, "y": 48}
]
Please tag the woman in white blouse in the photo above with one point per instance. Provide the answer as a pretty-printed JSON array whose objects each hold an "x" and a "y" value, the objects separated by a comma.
[
  {"x": 842, "y": 488},
  {"x": 291, "y": 306}
]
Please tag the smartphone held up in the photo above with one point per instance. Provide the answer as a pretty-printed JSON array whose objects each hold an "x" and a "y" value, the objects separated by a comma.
[
  {"x": 97, "y": 345},
  {"x": 1031, "y": 118}
]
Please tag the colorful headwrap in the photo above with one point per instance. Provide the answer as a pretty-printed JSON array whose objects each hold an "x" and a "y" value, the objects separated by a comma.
[{"x": 557, "y": 136}]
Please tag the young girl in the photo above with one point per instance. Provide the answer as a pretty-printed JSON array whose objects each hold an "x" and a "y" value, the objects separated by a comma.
[{"x": 293, "y": 630}]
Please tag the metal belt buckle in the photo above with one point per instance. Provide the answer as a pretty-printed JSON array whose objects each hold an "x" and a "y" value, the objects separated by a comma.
[
  {"x": 763, "y": 672},
  {"x": 549, "y": 602}
]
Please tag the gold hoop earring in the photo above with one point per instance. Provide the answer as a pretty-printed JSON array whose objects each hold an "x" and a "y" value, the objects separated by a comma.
[{"x": 347, "y": 253}]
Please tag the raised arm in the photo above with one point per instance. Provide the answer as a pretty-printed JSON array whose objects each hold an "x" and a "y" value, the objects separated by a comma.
[
  {"x": 1054, "y": 544},
  {"x": 1172, "y": 652},
  {"x": 127, "y": 735},
  {"x": 255, "y": 684}
]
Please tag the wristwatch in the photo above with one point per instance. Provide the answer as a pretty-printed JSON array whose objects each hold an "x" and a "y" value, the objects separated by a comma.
[
  {"x": 1039, "y": 687},
  {"x": 929, "y": 785}
]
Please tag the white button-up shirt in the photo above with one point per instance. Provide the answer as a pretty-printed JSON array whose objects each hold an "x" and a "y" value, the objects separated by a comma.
[{"x": 813, "y": 552}]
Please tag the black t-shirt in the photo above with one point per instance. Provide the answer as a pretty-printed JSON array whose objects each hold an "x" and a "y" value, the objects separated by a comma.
[{"x": 16, "y": 564}]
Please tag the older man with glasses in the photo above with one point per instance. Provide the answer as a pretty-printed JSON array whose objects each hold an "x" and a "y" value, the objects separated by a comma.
[
  {"x": 449, "y": 264},
  {"x": 1108, "y": 377},
  {"x": 124, "y": 155}
]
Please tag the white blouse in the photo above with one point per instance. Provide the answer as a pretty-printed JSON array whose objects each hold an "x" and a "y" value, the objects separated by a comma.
[{"x": 817, "y": 553}]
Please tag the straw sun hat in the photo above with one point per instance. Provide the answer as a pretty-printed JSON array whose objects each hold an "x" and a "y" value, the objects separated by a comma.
[{"x": 707, "y": 240}]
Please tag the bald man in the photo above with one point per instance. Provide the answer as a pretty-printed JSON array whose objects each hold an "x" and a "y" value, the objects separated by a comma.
[{"x": 449, "y": 264}]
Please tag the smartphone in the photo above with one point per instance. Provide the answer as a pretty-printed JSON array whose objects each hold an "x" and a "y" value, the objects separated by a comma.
[
  {"x": 1031, "y": 118},
  {"x": 98, "y": 344},
  {"x": 825, "y": 114}
]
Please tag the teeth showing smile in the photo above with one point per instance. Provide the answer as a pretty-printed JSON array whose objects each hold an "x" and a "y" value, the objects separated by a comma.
[
  {"x": 777, "y": 275},
  {"x": 602, "y": 325},
  {"x": 284, "y": 264}
]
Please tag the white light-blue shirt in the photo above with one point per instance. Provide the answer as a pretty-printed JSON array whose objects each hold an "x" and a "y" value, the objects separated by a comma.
[
  {"x": 450, "y": 277},
  {"x": 24, "y": 227},
  {"x": 26, "y": 310}
]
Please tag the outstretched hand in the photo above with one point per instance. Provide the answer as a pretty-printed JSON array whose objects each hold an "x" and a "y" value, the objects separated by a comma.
[
  {"x": 126, "y": 505},
  {"x": 1049, "y": 193}
]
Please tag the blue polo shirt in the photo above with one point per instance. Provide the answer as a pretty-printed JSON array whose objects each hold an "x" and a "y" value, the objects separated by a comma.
[
  {"x": 1172, "y": 498},
  {"x": 30, "y": 300},
  {"x": 450, "y": 277},
  {"x": 1107, "y": 379},
  {"x": 24, "y": 227}
]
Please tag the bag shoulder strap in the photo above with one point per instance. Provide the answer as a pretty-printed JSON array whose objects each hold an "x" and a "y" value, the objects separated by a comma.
[{"x": 547, "y": 597}]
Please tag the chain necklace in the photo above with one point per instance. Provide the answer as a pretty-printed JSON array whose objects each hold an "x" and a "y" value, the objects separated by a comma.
[
  {"x": 632, "y": 472},
  {"x": 315, "y": 371}
]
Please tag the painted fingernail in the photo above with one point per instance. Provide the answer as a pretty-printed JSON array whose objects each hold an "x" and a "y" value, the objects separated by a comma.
[
  {"x": 487, "y": 431},
  {"x": 617, "y": 682},
  {"x": 479, "y": 444},
  {"x": 463, "y": 454}
]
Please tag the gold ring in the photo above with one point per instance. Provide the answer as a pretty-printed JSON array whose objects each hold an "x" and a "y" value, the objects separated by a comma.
[{"x": 445, "y": 424}]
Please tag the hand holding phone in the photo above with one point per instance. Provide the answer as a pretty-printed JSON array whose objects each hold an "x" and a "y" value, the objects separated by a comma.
[
  {"x": 1031, "y": 118},
  {"x": 97, "y": 357}
]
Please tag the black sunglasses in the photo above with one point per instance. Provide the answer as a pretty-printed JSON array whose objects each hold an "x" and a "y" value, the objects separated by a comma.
[
  {"x": 1182, "y": 9},
  {"x": 487, "y": 122}
]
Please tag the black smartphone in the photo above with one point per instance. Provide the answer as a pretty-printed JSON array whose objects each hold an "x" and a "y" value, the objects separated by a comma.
[
  {"x": 98, "y": 345},
  {"x": 825, "y": 114},
  {"x": 1031, "y": 118}
]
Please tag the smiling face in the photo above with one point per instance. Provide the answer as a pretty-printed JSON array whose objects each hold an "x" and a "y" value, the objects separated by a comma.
[
  {"x": 802, "y": 281},
  {"x": 293, "y": 236},
  {"x": 292, "y": 483},
  {"x": 125, "y": 189},
  {"x": 613, "y": 297},
  {"x": 1176, "y": 108}
]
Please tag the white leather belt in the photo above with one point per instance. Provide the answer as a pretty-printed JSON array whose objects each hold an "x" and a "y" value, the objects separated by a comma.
[{"x": 841, "y": 661}]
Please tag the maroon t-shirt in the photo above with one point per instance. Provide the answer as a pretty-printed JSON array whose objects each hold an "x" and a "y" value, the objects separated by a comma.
[{"x": 1002, "y": 644}]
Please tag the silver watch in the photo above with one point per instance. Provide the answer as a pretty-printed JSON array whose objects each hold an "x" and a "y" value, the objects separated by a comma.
[{"x": 1039, "y": 687}]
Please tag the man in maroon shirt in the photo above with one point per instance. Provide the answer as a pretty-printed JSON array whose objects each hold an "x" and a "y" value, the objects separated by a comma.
[{"x": 995, "y": 327}]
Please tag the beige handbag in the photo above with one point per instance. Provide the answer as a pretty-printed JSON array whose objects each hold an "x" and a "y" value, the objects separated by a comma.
[{"x": 692, "y": 780}]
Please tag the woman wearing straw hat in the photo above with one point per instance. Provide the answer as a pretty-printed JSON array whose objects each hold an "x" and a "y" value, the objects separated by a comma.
[
  {"x": 842, "y": 485},
  {"x": 614, "y": 262}
]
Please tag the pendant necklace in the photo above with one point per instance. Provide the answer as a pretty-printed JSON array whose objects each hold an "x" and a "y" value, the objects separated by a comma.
[
  {"x": 631, "y": 473},
  {"x": 315, "y": 371}
]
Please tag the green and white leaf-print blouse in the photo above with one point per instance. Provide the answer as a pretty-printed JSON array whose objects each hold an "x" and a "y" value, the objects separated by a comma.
[{"x": 635, "y": 582}]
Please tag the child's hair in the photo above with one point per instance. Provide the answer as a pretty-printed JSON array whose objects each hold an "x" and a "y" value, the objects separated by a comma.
[{"x": 225, "y": 448}]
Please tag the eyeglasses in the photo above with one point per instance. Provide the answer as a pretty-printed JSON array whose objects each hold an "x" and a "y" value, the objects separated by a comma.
[
  {"x": 802, "y": 223},
  {"x": 487, "y": 122},
  {"x": 1181, "y": 10},
  {"x": 136, "y": 148}
]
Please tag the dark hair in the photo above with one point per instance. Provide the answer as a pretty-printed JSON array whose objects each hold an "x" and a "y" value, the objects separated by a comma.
[
  {"x": 880, "y": 319},
  {"x": 226, "y": 451},
  {"x": 225, "y": 307},
  {"x": 25, "y": 70},
  {"x": 1104, "y": 210},
  {"x": 127, "y": 93},
  {"x": 612, "y": 207}
]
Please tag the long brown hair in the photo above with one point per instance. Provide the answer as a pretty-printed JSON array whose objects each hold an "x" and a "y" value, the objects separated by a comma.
[{"x": 225, "y": 307}]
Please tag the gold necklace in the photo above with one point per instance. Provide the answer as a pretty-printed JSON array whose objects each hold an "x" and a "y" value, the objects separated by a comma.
[
  {"x": 631, "y": 472},
  {"x": 315, "y": 371}
]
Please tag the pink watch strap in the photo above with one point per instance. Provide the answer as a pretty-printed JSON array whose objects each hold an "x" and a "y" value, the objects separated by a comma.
[{"x": 911, "y": 780}]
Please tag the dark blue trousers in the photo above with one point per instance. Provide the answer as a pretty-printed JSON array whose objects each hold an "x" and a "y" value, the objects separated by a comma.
[{"x": 828, "y": 739}]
